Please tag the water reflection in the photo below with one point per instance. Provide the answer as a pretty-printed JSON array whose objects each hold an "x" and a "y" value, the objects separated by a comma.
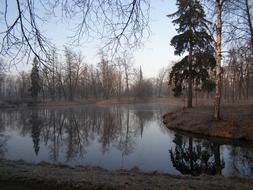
[
  {"x": 3, "y": 145},
  {"x": 143, "y": 117},
  {"x": 35, "y": 122},
  {"x": 126, "y": 142},
  {"x": 3, "y": 138},
  {"x": 114, "y": 138},
  {"x": 241, "y": 161},
  {"x": 196, "y": 157},
  {"x": 74, "y": 129}
]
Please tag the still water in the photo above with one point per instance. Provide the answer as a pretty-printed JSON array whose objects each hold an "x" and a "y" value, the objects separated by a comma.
[{"x": 117, "y": 137}]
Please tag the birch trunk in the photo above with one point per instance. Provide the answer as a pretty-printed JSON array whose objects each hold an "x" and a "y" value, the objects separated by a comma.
[{"x": 218, "y": 61}]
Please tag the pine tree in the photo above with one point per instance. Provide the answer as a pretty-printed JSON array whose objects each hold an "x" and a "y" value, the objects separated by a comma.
[
  {"x": 140, "y": 92},
  {"x": 35, "y": 122},
  {"x": 192, "y": 38},
  {"x": 35, "y": 80}
]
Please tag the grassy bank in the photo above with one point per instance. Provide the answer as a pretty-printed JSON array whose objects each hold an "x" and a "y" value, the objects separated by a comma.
[
  {"x": 21, "y": 175},
  {"x": 236, "y": 122}
]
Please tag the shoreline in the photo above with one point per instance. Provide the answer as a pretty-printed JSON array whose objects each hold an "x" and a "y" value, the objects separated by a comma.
[
  {"x": 236, "y": 122},
  {"x": 21, "y": 175},
  {"x": 75, "y": 103}
]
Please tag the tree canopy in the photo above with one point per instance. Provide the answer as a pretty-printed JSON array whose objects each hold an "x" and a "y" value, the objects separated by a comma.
[{"x": 194, "y": 39}]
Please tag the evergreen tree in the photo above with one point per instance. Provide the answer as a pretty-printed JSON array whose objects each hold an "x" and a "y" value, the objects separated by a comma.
[
  {"x": 35, "y": 122},
  {"x": 35, "y": 79},
  {"x": 192, "y": 38},
  {"x": 139, "y": 91}
]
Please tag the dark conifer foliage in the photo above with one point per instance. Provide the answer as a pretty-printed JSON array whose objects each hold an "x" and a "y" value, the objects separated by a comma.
[
  {"x": 194, "y": 40},
  {"x": 35, "y": 79}
]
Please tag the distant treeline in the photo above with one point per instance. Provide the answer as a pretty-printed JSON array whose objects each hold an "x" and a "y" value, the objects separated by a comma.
[{"x": 73, "y": 79}]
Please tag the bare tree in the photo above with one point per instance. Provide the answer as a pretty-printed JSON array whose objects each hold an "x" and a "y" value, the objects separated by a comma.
[
  {"x": 84, "y": 82},
  {"x": 160, "y": 80},
  {"x": 125, "y": 61},
  {"x": 2, "y": 76},
  {"x": 52, "y": 77},
  {"x": 95, "y": 84},
  {"x": 237, "y": 75},
  {"x": 49, "y": 75},
  {"x": 20, "y": 33},
  {"x": 23, "y": 82},
  {"x": 227, "y": 13},
  {"x": 118, "y": 23},
  {"x": 119, "y": 79},
  {"x": 72, "y": 72},
  {"x": 239, "y": 24},
  {"x": 107, "y": 76}
]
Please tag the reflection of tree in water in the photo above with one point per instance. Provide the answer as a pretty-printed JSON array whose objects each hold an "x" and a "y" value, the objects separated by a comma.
[
  {"x": 109, "y": 128},
  {"x": 36, "y": 123},
  {"x": 3, "y": 144},
  {"x": 74, "y": 137},
  {"x": 24, "y": 120},
  {"x": 2, "y": 125},
  {"x": 52, "y": 132},
  {"x": 126, "y": 142},
  {"x": 195, "y": 157},
  {"x": 72, "y": 130},
  {"x": 8, "y": 120},
  {"x": 143, "y": 117},
  {"x": 241, "y": 161},
  {"x": 130, "y": 126}
]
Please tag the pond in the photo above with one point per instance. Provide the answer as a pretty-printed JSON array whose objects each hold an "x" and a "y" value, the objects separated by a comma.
[{"x": 117, "y": 137}]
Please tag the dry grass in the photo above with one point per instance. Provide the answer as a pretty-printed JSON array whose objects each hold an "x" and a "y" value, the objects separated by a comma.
[
  {"x": 236, "y": 122},
  {"x": 22, "y": 176}
]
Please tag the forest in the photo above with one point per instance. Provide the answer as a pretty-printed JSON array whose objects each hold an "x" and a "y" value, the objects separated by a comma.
[{"x": 72, "y": 79}]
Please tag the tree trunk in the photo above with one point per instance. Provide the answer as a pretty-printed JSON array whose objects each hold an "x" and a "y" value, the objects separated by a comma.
[
  {"x": 218, "y": 61},
  {"x": 191, "y": 155},
  {"x": 249, "y": 23},
  {"x": 247, "y": 84},
  {"x": 53, "y": 80},
  {"x": 127, "y": 80},
  {"x": 189, "y": 101},
  {"x": 240, "y": 85},
  {"x": 217, "y": 160},
  {"x": 233, "y": 83}
]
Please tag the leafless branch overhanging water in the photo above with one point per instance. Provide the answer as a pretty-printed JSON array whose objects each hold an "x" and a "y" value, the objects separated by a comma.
[{"x": 118, "y": 24}]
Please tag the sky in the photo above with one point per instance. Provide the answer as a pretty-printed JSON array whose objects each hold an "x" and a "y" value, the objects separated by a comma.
[{"x": 155, "y": 53}]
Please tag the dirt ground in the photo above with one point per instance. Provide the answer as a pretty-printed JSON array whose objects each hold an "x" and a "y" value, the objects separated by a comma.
[
  {"x": 21, "y": 175},
  {"x": 236, "y": 120}
]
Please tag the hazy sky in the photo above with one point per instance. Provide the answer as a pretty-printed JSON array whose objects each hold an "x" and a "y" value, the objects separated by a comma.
[{"x": 156, "y": 52}]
